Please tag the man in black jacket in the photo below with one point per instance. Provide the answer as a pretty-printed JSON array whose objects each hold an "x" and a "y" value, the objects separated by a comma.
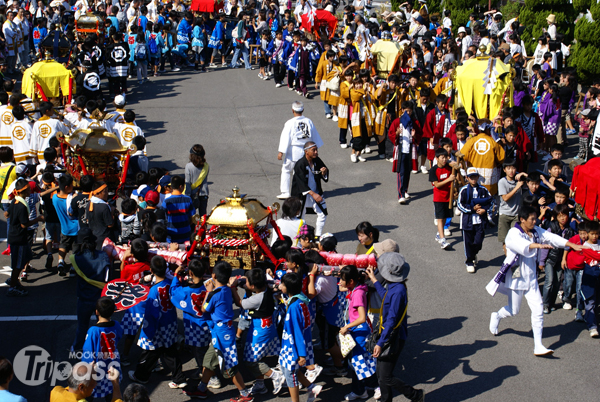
[{"x": 306, "y": 184}]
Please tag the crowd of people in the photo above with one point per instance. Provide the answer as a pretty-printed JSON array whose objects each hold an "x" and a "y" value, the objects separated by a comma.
[{"x": 389, "y": 80}]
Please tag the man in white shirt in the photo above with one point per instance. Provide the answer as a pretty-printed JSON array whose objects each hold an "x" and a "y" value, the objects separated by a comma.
[
  {"x": 466, "y": 40},
  {"x": 551, "y": 19},
  {"x": 296, "y": 132},
  {"x": 11, "y": 37}
]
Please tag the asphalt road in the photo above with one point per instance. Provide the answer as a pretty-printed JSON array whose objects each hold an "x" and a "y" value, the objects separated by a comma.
[{"x": 450, "y": 352}]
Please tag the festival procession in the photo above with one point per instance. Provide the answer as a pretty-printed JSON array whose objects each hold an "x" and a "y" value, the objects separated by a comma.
[{"x": 142, "y": 287}]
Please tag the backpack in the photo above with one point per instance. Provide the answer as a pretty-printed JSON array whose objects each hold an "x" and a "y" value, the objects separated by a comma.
[
  {"x": 152, "y": 45},
  {"x": 140, "y": 52}
]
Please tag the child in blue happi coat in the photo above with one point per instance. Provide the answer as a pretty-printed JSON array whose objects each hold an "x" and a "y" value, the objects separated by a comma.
[
  {"x": 222, "y": 352},
  {"x": 296, "y": 341},
  {"x": 262, "y": 340},
  {"x": 323, "y": 288},
  {"x": 100, "y": 345},
  {"x": 188, "y": 297},
  {"x": 158, "y": 336}
]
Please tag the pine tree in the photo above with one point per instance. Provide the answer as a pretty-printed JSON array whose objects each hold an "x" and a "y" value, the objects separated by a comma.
[
  {"x": 585, "y": 52},
  {"x": 461, "y": 9},
  {"x": 533, "y": 17}
]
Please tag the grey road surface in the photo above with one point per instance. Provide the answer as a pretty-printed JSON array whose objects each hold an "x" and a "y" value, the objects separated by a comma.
[{"x": 450, "y": 352}]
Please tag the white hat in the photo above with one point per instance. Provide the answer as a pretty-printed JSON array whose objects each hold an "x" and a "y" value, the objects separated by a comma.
[
  {"x": 298, "y": 106},
  {"x": 21, "y": 168},
  {"x": 472, "y": 171},
  {"x": 329, "y": 8},
  {"x": 462, "y": 30},
  {"x": 119, "y": 100}
]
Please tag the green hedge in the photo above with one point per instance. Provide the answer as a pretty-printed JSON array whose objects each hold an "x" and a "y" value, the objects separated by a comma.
[{"x": 585, "y": 60}]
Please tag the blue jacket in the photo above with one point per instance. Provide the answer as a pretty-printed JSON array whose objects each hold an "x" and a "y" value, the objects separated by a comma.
[
  {"x": 218, "y": 34},
  {"x": 467, "y": 199},
  {"x": 296, "y": 337},
  {"x": 189, "y": 300},
  {"x": 184, "y": 32},
  {"x": 160, "y": 318},
  {"x": 395, "y": 300}
]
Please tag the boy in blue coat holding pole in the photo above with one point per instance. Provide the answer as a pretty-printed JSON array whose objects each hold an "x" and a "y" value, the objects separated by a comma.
[{"x": 474, "y": 201}]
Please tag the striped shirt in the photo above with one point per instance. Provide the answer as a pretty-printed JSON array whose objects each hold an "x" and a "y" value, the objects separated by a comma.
[{"x": 179, "y": 210}]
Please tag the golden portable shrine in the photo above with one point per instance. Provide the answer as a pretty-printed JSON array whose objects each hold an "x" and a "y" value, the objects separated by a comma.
[
  {"x": 234, "y": 234},
  {"x": 96, "y": 152},
  {"x": 89, "y": 23}
]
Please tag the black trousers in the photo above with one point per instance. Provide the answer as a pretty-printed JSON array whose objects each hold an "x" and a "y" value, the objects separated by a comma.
[
  {"x": 292, "y": 80},
  {"x": 387, "y": 381},
  {"x": 279, "y": 72},
  {"x": 473, "y": 240},
  {"x": 118, "y": 85},
  {"x": 170, "y": 358}
]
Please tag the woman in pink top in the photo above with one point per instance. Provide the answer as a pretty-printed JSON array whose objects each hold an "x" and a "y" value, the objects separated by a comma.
[{"x": 363, "y": 364}]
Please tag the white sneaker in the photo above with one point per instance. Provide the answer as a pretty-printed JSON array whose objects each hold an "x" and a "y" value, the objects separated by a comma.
[
  {"x": 360, "y": 158},
  {"x": 290, "y": 89},
  {"x": 367, "y": 150},
  {"x": 334, "y": 118},
  {"x": 423, "y": 169},
  {"x": 494, "y": 322},
  {"x": 328, "y": 116},
  {"x": 447, "y": 232},
  {"x": 174, "y": 385},
  {"x": 313, "y": 392},
  {"x": 470, "y": 268},
  {"x": 352, "y": 396},
  {"x": 278, "y": 380},
  {"x": 214, "y": 383},
  {"x": 567, "y": 306},
  {"x": 407, "y": 196},
  {"x": 402, "y": 201},
  {"x": 278, "y": 85},
  {"x": 377, "y": 394},
  {"x": 444, "y": 243},
  {"x": 262, "y": 77},
  {"x": 353, "y": 158},
  {"x": 414, "y": 171},
  {"x": 389, "y": 159},
  {"x": 343, "y": 146},
  {"x": 594, "y": 333},
  {"x": 212, "y": 65},
  {"x": 283, "y": 196},
  {"x": 311, "y": 375}
]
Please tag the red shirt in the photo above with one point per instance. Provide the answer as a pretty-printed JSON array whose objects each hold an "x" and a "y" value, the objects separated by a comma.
[
  {"x": 439, "y": 174},
  {"x": 134, "y": 272},
  {"x": 575, "y": 259}
]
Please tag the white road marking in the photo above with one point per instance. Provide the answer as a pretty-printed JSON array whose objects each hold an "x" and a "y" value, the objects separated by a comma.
[{"x": 40, "y": 318}]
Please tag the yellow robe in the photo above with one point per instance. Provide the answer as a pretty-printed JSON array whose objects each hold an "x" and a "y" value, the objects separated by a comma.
[
  {"x": 320, "y": 77},
  {"x": 387, "y": 98},
  {"x": 343, "y": 104},
  {"x": 362, "y": 108},
  {"x": 334, "y": 96}
]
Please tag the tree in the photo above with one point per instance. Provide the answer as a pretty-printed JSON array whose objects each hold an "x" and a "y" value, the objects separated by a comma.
[
  {"x": 461, "y": 9},
  {"x": 533, "y": 17},
  {"x": 585, "y": 52}
]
